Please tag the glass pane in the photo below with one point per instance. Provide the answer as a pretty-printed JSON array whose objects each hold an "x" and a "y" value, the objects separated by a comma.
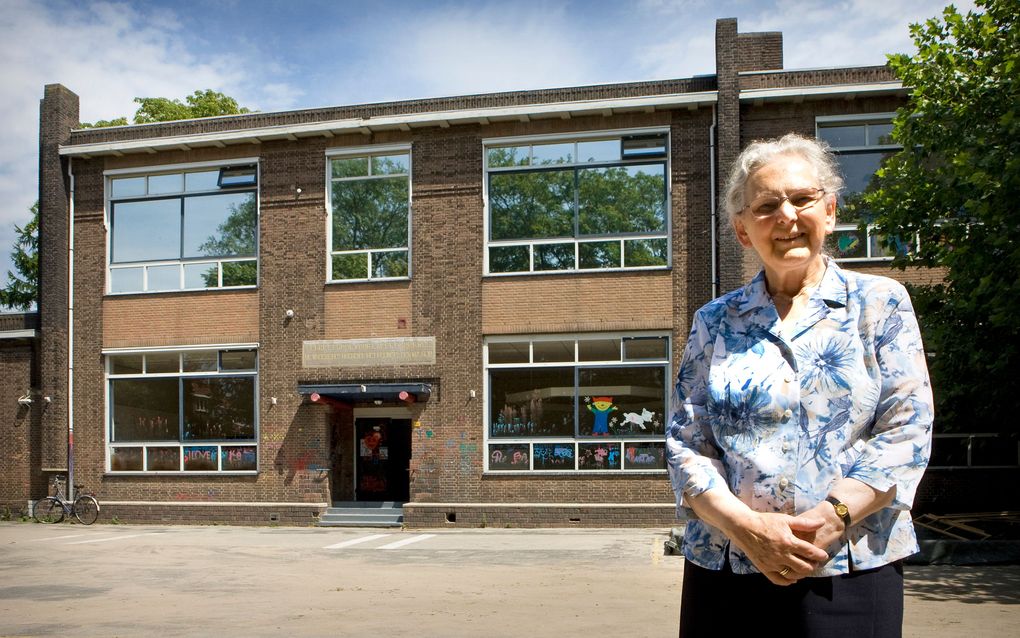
[
  {"x": 602, "y": 254},
  {"x": 164, "y": 278},
  {"x": 622, "y": 401},
  {"x": 204, "y": 361},
  {"x": 240, "y": 273},
  {"x": 144, "y": 410},
  {"x": 391, "y": 164},
  {"x": 554, "y": 456},
  {"x": 126, "y": 364},
  {"x": 162, "y": 362},
  {"x": 846, "y": 244},
  {"x": 126, "y": 459},
  {"x": 164, "y": 184},
  {"x": 645, "y": 348},
  {"x": 237, "y": 359},
  {"x": 389, "y": 264},
  {"x": 351, "y": 266},
  {"x": 534, "y": 205},
  {"x": 598, "y": 456},
  {"x": 350, "y": 167},
  {"x": 201, "y": 275},
  {"x": 553, "y": 351},
  {"x": 126, "y": 279},
  {"x": 237, "y": 176},
  {"x": 219, "y": 408},
  {"x": 370, "y": 214},
  {"x": 545, "y": 154},
  {"x": 847, "y": 135},
  {"x": 598, "y": 350},
  {"x": 509, "y": 156},
  {"x": 509, "y": 456},
  {"x": 876, "y": 247},
  {"x": 163, "y": 459},
  {"x": 622, "y": 199},
  {"x": 645, "y": 252},
  {"x": 516, "y": 352},
  {"x": 858, "y": 169},
  {"x": 598, "y": 151},
  {"x": 146, "y": 231},
  {"x": 200, "y": 458},
  {"x": 644, "y": 456},
  {"x": 644, "y": 146},
  {"x": 239, "y": 458},
  {"x": 509, "y": 259},
  {"x": 532, "y": 402},
  {"x": 220, "y": 225},
  {"x": 202, "y": 181},
  {"x": 554, "y": 256},
  {"x": 127, "y": 187},
  {"x": 880, "y": 134}
]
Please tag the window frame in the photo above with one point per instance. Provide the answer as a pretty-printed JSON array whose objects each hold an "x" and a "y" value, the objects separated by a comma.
[
  {"x": 180, "y": 375},
  {"x": 577, "y": 365},
  {"x": 347, "y": 152},
  {"x": 170, "y": 169},
  {"x": 577, "y": 239}
]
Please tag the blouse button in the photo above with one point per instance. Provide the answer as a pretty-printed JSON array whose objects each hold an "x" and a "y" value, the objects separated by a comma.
[
  {"x": 788, "y": 379},
  {"x": 783, "y": 482},
  {"x": 786, "y": 446},
  {"x": 788, "y": 413}
]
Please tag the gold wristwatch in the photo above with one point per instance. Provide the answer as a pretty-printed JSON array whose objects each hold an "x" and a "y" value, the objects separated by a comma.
[{"x": 842, "y": 510}]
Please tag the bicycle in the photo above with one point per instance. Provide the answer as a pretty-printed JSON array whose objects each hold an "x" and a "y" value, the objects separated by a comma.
[{"x": 53, "y": 509}]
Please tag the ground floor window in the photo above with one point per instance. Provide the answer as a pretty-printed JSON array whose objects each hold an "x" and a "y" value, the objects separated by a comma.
[
  {"x": 183, "y": 410},
  {"x": 594, "y": 402}
]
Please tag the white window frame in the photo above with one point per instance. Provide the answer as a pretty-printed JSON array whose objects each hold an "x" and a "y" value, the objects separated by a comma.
[
  {"x": 347, "y": 152},
  {"x": 531, "y": 441},
  {"x": 167, "y": 169},
  {"x": 580, "y": 136},
  {"x": 108, "y": 412}
]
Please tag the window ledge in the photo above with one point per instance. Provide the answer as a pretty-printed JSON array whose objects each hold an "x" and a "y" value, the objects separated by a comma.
[
  {"x": 110, "y": 474},
  {"x": 592, "y": 271},
  {"x": 573, "y": 473},
  {"x": 377, "y": 280},
  {"x": 140, "y": 293}
]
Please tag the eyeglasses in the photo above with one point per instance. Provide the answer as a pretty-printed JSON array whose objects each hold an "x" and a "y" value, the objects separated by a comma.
[{"x": 767, "y": 205}]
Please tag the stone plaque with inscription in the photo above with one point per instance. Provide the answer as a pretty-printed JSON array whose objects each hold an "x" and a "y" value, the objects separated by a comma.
[{"x": 348, "y": 353}]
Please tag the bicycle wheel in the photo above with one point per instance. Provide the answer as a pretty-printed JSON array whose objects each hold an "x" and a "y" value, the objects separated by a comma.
[
  {"x": 86, "y": 509},
  {"x": 48, "y": 510}
]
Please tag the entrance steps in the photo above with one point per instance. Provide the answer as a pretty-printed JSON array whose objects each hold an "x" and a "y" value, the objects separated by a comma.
[{"x": 363, "y": 514}]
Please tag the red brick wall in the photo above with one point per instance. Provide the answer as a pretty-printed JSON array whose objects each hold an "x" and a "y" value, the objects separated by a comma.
[{"x": 20, "y": 478}]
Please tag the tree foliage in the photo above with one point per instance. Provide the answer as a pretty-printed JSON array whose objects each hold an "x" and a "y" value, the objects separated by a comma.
[
  {"x": 955, "y": 186},
  {"x": 207, "y": 103},
  {"x": 22, "y": 289}
]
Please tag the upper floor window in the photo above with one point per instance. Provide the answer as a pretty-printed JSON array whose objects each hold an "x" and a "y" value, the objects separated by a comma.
[
  {"x": 861, "y": 143},
  {"x": 184, "y": 230},
  {"x": 581, "y": 204},
  {"x": 370, "y": 221}
]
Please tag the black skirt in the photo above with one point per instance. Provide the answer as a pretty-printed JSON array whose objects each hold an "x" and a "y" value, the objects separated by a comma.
[{"x": 862, "y": 604}]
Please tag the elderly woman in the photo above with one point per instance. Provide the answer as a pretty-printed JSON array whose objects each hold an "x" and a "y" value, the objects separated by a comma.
[{"x": 801, "y": 423}]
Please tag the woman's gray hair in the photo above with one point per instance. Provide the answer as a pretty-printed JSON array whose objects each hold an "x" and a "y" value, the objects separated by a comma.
[{"x": 761, "y": 152}]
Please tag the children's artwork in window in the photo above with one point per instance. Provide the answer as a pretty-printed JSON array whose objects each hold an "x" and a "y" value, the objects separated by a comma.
[
  {"x": 598, "y": 456},
  {"x": 509, "y": 456},
  {"x": 644, "y": 456},
  {"x": 554, "y": 456}
]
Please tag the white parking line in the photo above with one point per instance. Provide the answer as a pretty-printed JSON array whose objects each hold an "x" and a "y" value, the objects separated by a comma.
[
  {"x": 52, "y": 538},
  {"x": 407, "y": 541},
  {"x": 112, "y": 538},
  {"x": 356, "y": 541}
]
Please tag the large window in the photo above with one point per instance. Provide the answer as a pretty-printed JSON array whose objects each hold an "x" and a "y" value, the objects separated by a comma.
[
  {"x": 369, "y": 226},
  {"x": 861, "y": 144},
  {"x": 595, "y": 402},
  {"x": 183, "y": 411},
  {"x": 184, "y": 230},
  {"x": 577, "y": 204}
]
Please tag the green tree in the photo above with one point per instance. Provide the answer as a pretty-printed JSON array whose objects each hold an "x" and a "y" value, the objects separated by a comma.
[
  {"x": 955, "y": 186},
  {"x": 22, "y": 289},
  {"x": 207, "y": 103}
]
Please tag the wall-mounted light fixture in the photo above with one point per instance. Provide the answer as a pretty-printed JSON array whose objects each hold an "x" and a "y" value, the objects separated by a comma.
[{"x": 289, "y": 314}]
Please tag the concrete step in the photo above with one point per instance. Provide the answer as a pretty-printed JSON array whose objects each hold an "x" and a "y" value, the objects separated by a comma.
[{"x": 363, "y": 514}]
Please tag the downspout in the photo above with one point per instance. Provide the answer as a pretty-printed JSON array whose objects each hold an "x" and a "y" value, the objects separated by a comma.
[
  {"x": 715, "y": 214},
  {"x": 70, "y": 333}
]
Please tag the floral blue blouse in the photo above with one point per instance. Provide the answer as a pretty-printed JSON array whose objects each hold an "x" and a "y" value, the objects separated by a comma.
[{"x": 778, "y": 418}]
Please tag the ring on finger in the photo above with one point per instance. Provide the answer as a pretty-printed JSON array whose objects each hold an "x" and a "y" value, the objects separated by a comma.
[{"x": 784, "y": 571}]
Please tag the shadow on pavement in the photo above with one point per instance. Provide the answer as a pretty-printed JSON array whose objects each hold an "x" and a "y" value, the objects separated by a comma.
[{"x": 979, "y": 584}]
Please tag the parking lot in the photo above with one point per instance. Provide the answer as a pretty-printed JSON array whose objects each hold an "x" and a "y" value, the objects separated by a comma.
[{"x": 118, "y": 580}]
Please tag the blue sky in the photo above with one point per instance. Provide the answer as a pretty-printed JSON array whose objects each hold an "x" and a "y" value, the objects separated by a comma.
[{"x": 309, "y": 53}]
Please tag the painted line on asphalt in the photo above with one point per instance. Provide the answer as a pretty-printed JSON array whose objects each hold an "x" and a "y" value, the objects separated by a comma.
[
  {"x": 356, "y": 541},
  {"x": 113, "y": 538},
  {"x": 407, "y": 541},
  {"x": 53, "y": 538}
]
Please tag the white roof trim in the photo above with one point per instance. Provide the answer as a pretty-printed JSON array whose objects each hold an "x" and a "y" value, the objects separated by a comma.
[
  {"x": 16, "y": 334},
  {"x": 390, "y": 122},
  {"x": 204, "y": 346},
  {"x": 803, "y": 92}
]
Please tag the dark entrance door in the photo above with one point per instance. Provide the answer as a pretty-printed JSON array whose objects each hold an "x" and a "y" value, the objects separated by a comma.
[{"x": 384, "y": 456}]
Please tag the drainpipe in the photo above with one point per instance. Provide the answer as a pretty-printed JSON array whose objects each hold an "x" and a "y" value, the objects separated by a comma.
[
  {"x": 70, "y": 333},
  {"x": 714, "y": 215}
]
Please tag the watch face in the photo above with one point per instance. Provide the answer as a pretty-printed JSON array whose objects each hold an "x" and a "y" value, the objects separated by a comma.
[{"x": 842, "y": 510}]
